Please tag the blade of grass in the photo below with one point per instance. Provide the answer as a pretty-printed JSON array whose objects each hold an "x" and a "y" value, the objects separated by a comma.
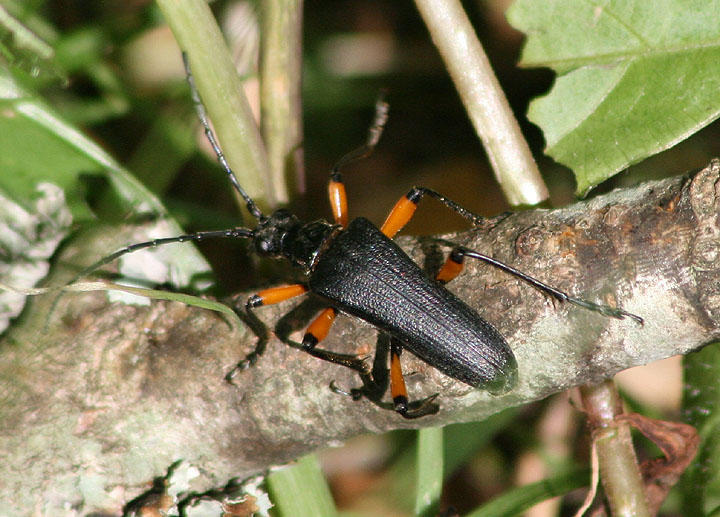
[
  {"x": 517, "y": 500},
  {"x": 203, "y": 303},
  {"x": 461, "y": 441},
  {"x": 701, "y": 482},
  {"x": 429, "y": 478},
  {"x": 300, "y": 490}
]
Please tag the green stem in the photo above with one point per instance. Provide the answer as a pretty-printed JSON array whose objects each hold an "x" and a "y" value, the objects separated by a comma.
[
  {"x": 280, "y": 81},
  {"x": 484, "y": 100},
  {"x": 197, "y": 33},
  {"x": 619, "y": 471}
]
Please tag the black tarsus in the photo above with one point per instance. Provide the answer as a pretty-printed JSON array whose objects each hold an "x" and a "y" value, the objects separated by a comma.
[
  {"x": 374, "y": 133},
  {"x": 417, "y": 193},
  {"x": 377, "y": 382},
  {"x": 353, "y": 362}
]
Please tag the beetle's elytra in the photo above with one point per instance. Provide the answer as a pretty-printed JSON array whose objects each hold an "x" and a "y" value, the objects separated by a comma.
[{"x": 365, "y": 274}]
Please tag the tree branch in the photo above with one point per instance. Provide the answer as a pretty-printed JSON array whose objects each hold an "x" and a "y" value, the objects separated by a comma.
[{"x": 110, "y": 395}]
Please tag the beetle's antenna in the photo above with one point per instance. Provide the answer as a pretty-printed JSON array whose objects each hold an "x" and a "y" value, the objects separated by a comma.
[
  {"x": 232, "y": 233},
  {"x": 613, "y": 312},
  {"x": 202, "y": 115},
  {"x": 381, "y": 115}
]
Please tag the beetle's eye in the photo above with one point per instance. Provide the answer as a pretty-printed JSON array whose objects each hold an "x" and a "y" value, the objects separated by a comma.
[{"x": 265, "y": 246}]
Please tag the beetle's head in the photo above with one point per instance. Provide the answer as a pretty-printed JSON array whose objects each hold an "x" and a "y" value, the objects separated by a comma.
[{"x": 272, "y": 231}]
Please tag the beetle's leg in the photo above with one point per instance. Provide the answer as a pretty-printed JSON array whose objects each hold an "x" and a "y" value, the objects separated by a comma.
[
  {"x": 458, "y": 254},
  {"x": 338, "y": 199},
  {"x": 317, "y": 331},
  {"x": 453, "y": 267},
  {"x": 264, "y": 297},
  {"x": 275, "y": 295},
  {"x": 399, "y": 391},
  {"x": 375, "y": 384},
  {"x": 405, "y": 208},
  {"x": 423, "y": 407},
  {"x": 455, "y": 263}
]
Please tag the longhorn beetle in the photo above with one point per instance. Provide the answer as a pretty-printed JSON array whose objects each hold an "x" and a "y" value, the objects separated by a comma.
[{"x": 356, "y": 268}]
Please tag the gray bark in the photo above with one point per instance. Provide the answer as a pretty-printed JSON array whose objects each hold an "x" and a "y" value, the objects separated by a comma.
[{"x": 98, "y": 399}]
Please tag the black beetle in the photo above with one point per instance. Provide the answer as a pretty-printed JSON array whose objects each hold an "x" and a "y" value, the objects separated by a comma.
[{"x": 356, "y": 268}]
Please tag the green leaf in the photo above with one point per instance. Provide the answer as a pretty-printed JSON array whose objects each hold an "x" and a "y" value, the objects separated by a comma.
[
  {"x": 634, "y": 78},
  {"x": 38, "y": 146},
  {"x": 25, "y": 51}
]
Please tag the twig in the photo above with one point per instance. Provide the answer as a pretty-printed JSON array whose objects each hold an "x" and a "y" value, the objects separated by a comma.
[{"x": 484, "y": 100}]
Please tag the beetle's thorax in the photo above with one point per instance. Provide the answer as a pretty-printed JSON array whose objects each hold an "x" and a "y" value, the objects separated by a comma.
[{"x": 283, "y": 235}]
